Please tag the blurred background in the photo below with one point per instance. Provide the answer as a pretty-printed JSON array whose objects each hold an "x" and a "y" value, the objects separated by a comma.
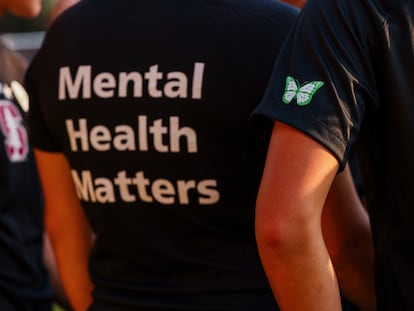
[
  {"x": 13, "y": 24},
  {"x": 25, "y": 35}
]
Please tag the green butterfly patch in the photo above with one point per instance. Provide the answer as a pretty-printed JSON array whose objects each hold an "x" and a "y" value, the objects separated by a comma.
[{"x": 302, "y": 93}]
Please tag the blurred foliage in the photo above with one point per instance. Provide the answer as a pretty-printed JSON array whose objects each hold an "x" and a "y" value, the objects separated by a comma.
[{"x": 10, "y": 23}]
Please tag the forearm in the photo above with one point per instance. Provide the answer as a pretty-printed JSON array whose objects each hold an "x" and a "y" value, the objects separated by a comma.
[
  {"x": 288, "y": 222},
  {"x": 68, "y": 229},
  {"x": 355, "y": 270},
  {"x": 301, "y": 275},
  {"x": 71, "y": 247},
  {"x": 347, "y": 233},
  {"x": 356, "y": 278},
  {"x": 50, "y": 263}
]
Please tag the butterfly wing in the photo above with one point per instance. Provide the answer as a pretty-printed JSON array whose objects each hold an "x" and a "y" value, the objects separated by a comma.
[
  {"x": 306, "y": 92},
  {"x": 291, "y": 90}
]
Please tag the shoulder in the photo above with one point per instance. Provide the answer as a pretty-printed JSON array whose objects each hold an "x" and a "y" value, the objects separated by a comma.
[
  {"x": 356, "y": 22},
  {"x": 258, "y": 12},
  {"x": 256, "y": 22},
  {"x": 343, "y": 11}
]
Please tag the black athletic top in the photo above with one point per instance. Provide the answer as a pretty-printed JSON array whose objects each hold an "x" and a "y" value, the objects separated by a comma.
[
  {"x": 149, "y": 101},
  {"x": 346, "y": 77},
  {"x": 24, "y": 283}
]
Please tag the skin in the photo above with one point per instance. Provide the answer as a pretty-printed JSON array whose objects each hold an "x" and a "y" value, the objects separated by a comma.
[
  {"x": 21, "y": 8},
  {"x": 69, "y": 231},
  {"x": 319, "y": 240},
  {"x": 31, "y": 9},
  {"x": 78, "y": 266},
  {"x": 347, "y": 235},
  {"x": 308, "y": 221},
  {"x": 297, "y": 3}
]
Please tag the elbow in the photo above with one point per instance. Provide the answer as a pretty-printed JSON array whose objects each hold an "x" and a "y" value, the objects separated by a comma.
[
  {"x": 270, "y": 235},
  {"x": 285, "y": 237},
  {"x": 286, "y": 225},
  {"x": 273, "y": 242}
]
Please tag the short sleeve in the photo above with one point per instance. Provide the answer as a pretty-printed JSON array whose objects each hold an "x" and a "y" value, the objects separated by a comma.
[{"x": 322, "y": 81}]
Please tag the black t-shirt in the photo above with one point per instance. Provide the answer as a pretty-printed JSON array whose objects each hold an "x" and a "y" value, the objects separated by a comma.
[
  {"x": 24, "y": 283},
  {"x": 149, "y": 101},
  {"x": 345, "y": 77}
]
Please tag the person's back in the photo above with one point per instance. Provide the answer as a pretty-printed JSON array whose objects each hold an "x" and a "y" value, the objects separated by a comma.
[
  {"x": 149, "y": 101},
  {"x": 359, "y": 58},
  {"x": 387, "y": 152},
  {"x": 24, "y": 282}
]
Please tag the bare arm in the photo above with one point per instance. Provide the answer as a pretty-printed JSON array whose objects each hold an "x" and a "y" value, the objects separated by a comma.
[
  {"x": 50, "y": 263},
  {"x": 346, "y": 229},
  {"x": 68, "y": 229},
  {"x": 296, "y": 181}
]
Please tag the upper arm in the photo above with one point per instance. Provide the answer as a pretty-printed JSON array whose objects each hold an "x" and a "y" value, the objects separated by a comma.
[
  {"x": 61, "y": 201},
  {"x": 296, "y": 180},
  {"x": 345, "y": 219}
]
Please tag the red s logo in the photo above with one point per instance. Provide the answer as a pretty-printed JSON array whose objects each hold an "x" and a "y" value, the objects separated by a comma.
[{"x": 15, "y": 133}]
